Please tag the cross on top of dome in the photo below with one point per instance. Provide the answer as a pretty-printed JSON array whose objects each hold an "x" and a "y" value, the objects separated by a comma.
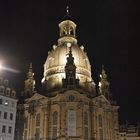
[
  {"x": 67, "y": 27},
  {"x": 67, "y": 11}
]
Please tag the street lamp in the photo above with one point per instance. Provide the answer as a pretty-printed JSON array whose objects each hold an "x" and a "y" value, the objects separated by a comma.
[{"x": 8, "y": 69}]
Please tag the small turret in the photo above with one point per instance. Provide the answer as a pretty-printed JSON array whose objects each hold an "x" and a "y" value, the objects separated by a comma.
[
  {"x": 29, "y": 83},
  {"x": 67, "y": 27},
  {"x": 104, "y": 85}
]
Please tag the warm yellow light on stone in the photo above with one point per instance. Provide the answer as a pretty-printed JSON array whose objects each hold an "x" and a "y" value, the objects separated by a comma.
[{"x": 100, "y": 84}]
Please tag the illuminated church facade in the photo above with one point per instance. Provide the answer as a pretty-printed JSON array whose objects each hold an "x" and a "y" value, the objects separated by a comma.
[{"x": 69, "y": 107}]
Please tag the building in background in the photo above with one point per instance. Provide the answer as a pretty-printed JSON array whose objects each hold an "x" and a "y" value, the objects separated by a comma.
[
  {"x": 129, "y": 132},
  {"x": 8, "y": 105},
  {"x": 70, "y": 105}
]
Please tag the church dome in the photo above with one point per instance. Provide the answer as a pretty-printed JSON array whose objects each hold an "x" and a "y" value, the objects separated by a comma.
[{"x": 54, "y": 67}]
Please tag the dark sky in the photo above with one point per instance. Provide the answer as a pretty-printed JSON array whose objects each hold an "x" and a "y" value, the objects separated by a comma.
[{"x": 108, "y": 29}]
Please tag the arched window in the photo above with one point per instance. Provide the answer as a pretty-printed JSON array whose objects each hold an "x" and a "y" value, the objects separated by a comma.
[
  {"x": 100, "y": 120},
  {"x": 37, "y": 134},
  {"x": 85, "y": 125},
  {"x": 71, "y": 123},
  {"x": 38, "y": 120},
  {"x": 54, "y": 125},
  {"x": 101, "y": 134},
  {"x": 13, "y": 93},
  {"x": 55, "y": 116},
  {"x": 71, "y": 98},
  {"x": 85, "y": 118},
  {"x": 7, "y": 91},
  {"x": 86, "y": 133},
  {"x": 6, "y": 82},
  {"x": 1, "y": 90}
]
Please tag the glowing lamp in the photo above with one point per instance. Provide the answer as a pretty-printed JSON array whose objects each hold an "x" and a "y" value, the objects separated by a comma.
[
  {"x": 6, "y": 103},
  {"x": 68, "y": 44}
]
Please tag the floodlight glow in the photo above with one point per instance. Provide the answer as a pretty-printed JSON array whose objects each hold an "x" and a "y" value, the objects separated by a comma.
[
  {"x": 6, "y": 103},
  {"x": 11, "y": 70},
  {"x": 0, "y": 65},
  {"x": 7, "y": 69},
  {"x": 100, "y": 84},
  {"x": 68, "y": 44}
]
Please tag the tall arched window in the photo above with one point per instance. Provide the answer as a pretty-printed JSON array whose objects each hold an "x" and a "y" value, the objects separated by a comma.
[
  {"x": 100, "y": 120},
  {"x": 55, "y": 116},
  {"x": 101, "y": 134},
  {"x": 54, "y": 125},
  {"x": 71, "y": 123},
  {"x": 86, "y": 133},
  {"x": 37, "y": 134},
  {"x": 38, "y": 120},
  {"x": 85, "y": 118},
  {"x": 85, "y": 125}
]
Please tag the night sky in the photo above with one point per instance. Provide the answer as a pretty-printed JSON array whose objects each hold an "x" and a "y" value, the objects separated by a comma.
[{"x": 109, "y": 31}]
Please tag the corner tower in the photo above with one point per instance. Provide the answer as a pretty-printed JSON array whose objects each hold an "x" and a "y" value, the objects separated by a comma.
[
  {"x": 29, "y": 88},
  {"x": 104, "y": 85}
]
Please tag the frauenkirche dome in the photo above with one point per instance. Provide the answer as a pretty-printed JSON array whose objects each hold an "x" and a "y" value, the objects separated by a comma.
[
  {"x": 54, "y": 67},
  {"x": 67, "y": 107}
]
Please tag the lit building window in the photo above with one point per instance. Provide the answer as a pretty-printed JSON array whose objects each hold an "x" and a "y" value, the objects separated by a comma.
[
  {"x": 10, "y": 130},
  {"x": 71, "y": 123},
  {"x": 5, "y": 115},
  {"x": 3, "y": 129},
  {"x": 38, "y": 120}
]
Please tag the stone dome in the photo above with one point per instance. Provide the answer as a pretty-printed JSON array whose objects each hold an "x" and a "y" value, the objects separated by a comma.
[{"x": 54, "y": 67}]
